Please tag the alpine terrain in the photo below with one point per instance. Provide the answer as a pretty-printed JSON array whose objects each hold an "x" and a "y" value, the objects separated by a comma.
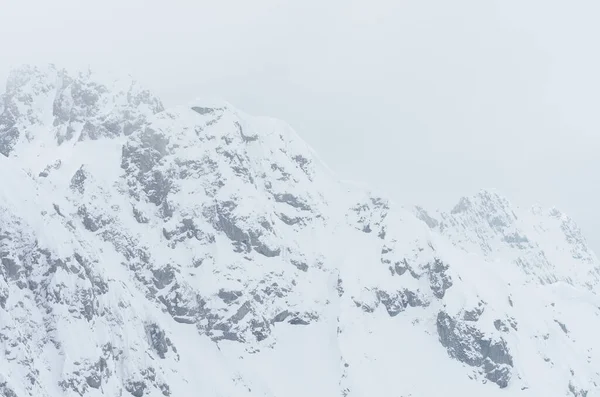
[{"x": 199, "y": 251}]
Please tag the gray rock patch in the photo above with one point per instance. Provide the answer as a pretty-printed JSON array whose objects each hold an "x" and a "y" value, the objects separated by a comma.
[{"x": 470, "y": 346}]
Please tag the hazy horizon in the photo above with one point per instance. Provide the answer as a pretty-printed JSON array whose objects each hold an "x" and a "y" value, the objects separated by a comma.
[{"x": 424, "y": 101}]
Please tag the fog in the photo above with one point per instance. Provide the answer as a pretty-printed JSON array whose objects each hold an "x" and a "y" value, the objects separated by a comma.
[{"x": 425, "y": 100}]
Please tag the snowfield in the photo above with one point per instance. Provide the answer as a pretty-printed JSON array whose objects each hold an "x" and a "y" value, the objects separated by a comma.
[{"x": 201, "y": 251}]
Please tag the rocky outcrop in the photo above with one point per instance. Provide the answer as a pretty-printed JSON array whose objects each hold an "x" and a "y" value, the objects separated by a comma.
[{"x": 470, "y": 346}]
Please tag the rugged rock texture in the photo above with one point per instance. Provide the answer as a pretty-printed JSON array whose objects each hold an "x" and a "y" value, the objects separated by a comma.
[
  {"x": 470, "y": 346},
  {"x": 201, "y": 251}
]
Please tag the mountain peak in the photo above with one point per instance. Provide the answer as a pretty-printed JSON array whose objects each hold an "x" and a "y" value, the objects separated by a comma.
[
  {"x": 483, "y": 200},
  {"x": 547, "y": 244},
  {"x": 77, "y": 107},
  {"x": 200, "y": 250}
]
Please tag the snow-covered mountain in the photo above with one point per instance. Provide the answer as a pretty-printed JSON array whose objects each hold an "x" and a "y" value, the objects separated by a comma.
[{"x": 200, "y": 251}]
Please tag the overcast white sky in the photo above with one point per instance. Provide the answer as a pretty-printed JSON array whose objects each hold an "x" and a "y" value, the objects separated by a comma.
[{"x": 426, "y": 100}]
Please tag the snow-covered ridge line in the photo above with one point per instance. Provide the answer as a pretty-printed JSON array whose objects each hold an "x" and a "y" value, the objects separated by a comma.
[
  {"x": 198, "y": 250},
  {"x": 545, "y": 243}
]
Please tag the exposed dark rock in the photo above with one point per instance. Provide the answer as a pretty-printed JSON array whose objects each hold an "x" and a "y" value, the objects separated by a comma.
[
  {"x": 468, "y": 345},
  {"x": 281, "y": 316},
  {"x": 298, "y": 321},
  {"x": 401, "y": 267},
  {"x": 157, "y": 340},
  {"x": 88, "y": 303},
  {"x": 577, "y": 392},
  {"x": 141, "y": 157},
  {"x": 304, "y": 165},
  {"x": 136, "y": 388},
  {"x": 260, "y": 328},
  {"x": 340, "y": 287},
  {"x": 74, "y": 383},
  {"x": 463, "y": 205},
  {"x": 562, "y": 326},
  {"x": 393, "y": 304},
  {"x": 516, "y": 238},
  {"x": 226, "y": 224},
  {"x": 10, "y": 269},
  {"x": 398, "y": 301},
  {"x": 202, "y": 110},
  {"x": 245, "y": 137},
  {"x": 475, "y": 313},
  {"x": 78, "y": 180},
  {"x": 157, "y": 186},
  {"x": 139, "y": 216},
  {"x": 6, "y": 391},
  {"x": 300, "y": 265},
  {"x": 57, "y": 209},
  {"x": 183, "y": 308},
  {"x": 165, "y": 389},
  {"x": 91, "y": 222},
  {"x": 94, "y": 381},
  {"x": 289, "y": 221},
  {"x": 229, "y": 296},
  {"x": 369, "y": 216},
  {"x": 237, "y": 327},
  {"x": 243, "y": 241},
  {"x": 9, "y": 132},
  {"x": 284, "y": 175},
  {"x": 414, "y": 299},
  {"x": 501, "y": 326},
  {"x": 439, "y": 280},
  {"x": 291, "y": 200},
  {"x": 364, "y": 307},
  {"x": 241, "y": 312},
  {"x": 163, "y": 276}
]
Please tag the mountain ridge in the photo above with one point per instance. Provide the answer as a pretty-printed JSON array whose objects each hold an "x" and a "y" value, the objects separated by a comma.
[{"x": 197, "y": 250}]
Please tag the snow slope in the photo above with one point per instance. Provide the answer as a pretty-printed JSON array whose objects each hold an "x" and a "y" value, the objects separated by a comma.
[{"x": 200, "y": 251}]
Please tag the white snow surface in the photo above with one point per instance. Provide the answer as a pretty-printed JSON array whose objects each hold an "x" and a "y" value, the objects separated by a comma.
[{"x": 201, "y": 251}]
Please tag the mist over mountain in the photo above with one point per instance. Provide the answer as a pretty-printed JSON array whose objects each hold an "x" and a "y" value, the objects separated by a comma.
[{"x": 200, "y": 251}]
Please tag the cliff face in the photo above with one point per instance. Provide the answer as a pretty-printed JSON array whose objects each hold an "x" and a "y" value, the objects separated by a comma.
[{"x": 201, "y": 251}]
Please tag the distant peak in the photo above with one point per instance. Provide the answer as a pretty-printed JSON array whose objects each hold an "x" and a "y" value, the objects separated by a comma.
[
  {"x": 485, "y": 198},
  {"x": 35, "y": 76},
  {"x": 50, "y": 74},
  {"x": 463, "y": 205},
  {"x": 45, "y": 107},
  {"x": 491, "y": 195},
  {"x": 34, "y": 70},
  {"x": 555, "y": 212}
]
